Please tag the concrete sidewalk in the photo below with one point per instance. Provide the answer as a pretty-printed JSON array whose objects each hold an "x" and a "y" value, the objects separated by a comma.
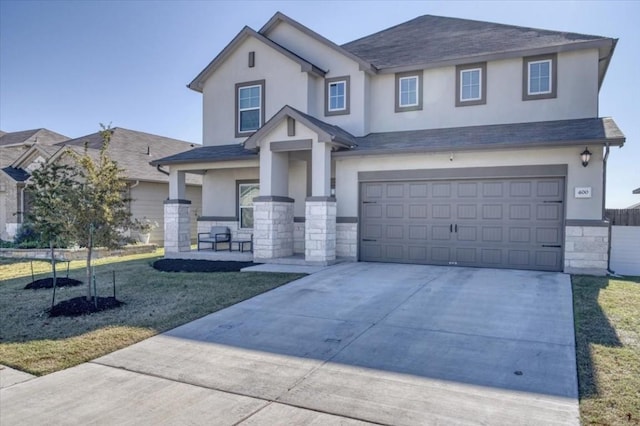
[{"x": 379, "y": 343}]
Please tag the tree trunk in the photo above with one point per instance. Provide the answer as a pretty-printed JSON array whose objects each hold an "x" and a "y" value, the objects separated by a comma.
[{"x": 89, "y": 253}]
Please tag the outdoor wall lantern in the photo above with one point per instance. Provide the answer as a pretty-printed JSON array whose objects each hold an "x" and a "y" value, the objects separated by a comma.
[{"x": 585, "y": 156}]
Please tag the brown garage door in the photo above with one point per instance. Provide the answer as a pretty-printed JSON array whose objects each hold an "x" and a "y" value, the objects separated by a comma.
[{"x": 498, "y": 223}]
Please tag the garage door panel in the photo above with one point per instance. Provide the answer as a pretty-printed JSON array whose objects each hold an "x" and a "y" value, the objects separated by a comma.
[
  {"x": 395, "y": 211},
  {"x": 395, "y": 232},
  {"x": 372, "y": 211},
  {"x": 548, "y": 212},
  {"x": 418, "y": 232},
  {"x": 504, "y": 223},
  {"x": 492, "y": 211}
]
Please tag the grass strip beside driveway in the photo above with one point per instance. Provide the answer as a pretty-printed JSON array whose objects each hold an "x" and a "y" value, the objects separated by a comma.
[
  {"x": 154, "y": 302},
  {"x": 607, "y": 322}
]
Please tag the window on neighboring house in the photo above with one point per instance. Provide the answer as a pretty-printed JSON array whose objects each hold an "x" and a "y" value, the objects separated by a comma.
[
  {"x": 337, "y": 96},
  {"x": 539, "y": 77},
  {"x": 408, "y": 91},
  {"x": 249, "y": 107},
  {"x": 246, "y": 193},
  {"x": 471, "y": 84}
]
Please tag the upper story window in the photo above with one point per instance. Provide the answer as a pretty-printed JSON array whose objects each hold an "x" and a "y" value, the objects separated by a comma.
[
  {"x": 539, "y": 75},
  {"x": 471, "y": 84},
  {"x": 408, "y": 91},
  {"x": 249, "y": 107},
  {"x": 336, "y": 96}
]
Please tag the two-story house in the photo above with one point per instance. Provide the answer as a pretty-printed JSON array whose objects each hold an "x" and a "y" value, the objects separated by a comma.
[{"x": 438, "y": 141}]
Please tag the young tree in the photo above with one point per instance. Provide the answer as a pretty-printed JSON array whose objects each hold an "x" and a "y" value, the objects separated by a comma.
[
  {"x": 99, "y": 202},
  {"x": 50, "y": 188}
]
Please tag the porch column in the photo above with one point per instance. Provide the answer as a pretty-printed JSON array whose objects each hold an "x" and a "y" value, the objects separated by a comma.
[
  {"x": 273, "y": 209},
  {"x": 177, "y": 229},
  {"x": 272, "y": 227},
  {"x": 320, "y": 209},
  {"x": 177, "y": 185}
]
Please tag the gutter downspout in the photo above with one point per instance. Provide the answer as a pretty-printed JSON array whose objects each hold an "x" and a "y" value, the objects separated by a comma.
[
  {"x": 162, "y": 171},
  {"x": 604, "y": 210}
]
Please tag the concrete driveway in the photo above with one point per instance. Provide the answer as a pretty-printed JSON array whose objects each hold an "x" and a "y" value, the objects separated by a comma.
[{"x": 358, "y": 342}]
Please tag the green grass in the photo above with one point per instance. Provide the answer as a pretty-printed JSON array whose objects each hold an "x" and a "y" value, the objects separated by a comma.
[
  {"x": 154, "y": 302},
  {"x": 607, "y": 322}
]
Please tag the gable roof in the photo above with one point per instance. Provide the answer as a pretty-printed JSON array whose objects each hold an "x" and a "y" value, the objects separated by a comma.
[
  {"x": 497, "y": 136},
  {"x": 430, "y": 41},
  {"x": 280, "y": 17},
  {"x": 132, "y": 150},
  {"x": 198, "y": 83},
  {"x": 29, "y": 137},
  {"x": 326, "y": 132}
]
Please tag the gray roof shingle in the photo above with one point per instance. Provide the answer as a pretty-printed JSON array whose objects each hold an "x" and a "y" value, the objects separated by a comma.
[
  {"x": 522, "y": 135},
  {"x": 431, "y": 39},
  {"x": 133, "y": 151},
  {"x": 28, "y": 137},
  {"x": 209, "y": 154}
]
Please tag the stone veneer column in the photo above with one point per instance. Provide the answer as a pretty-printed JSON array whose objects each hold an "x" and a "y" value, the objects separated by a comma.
[
  {"x": 272, "y": 227},
  {"x": 177, "y": 227},
  {"x": 586, "y": 249},
  {"x": 320, "y": 230}
]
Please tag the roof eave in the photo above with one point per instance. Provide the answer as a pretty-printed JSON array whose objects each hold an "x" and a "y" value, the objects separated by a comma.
[
  {"x": 497, "y": 146},
  {"x": 160, "y": 162},
  {"x": 495, "y": 56}
]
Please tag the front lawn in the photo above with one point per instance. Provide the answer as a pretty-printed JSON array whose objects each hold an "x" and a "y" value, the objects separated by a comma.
[
  {"x": 155, "y": 301},
  {"x": 607, "y": 322}
]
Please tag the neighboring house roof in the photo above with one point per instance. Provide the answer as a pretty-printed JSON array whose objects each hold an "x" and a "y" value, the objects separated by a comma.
[
  {"x": 198, "y": 83},
  {"x": 636, "y": 191},
  {"x": 634, "y": 206},
  {"x": 209, "y": 154},
  {"x": 2, "y": 133},
  {"x": 9, "y": 155},
  {"x": 326, "y": 132},
  {"x": 521, "y": 135},
  {"x": 133, "y": 151},
  {"x": 30, "y": 137},
  {"x": 429, "y": 41},
  {"x": 19, "y": 175}
]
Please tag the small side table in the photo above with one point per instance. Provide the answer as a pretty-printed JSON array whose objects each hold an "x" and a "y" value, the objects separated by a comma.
[{"x": 242, "y": 245}]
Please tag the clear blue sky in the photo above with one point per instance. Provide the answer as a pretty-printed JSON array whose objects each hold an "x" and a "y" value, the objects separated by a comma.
[{"x": 69, "y": 66}]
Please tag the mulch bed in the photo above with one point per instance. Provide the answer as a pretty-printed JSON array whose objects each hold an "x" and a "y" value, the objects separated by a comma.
[
  {"x": 81, "y": 306},
  {"x": 190, "y": 265},
  {"x": 48, "y": 283}
]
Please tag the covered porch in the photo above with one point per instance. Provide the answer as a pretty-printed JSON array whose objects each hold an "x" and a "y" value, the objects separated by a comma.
[{"x": 275, "y": 189}]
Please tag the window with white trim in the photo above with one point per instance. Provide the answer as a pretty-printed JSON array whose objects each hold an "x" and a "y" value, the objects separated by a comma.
[
  {"x": 336, "y": 96},
  {"x": 246, "y": 193},
  {"x": 471, "y": 84},
  {"x": 539, "y": 77},
  {"x": 408, "y": 91},
  {"x": 249, "y": 107}
]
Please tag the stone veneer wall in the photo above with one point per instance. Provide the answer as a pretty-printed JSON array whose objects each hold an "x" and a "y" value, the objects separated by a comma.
[
  {"x": 177, "y": 227},
  {"x": 347, "y": 240},
  {"x": 272, "y": 229},
  {"x": 586, "y": 250},
  {"x": 320, "y": 231}
]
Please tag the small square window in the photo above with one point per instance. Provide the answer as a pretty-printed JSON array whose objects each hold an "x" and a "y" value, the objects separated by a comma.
[
  {"x": 471, "y": 84},
  {"x": 408, "y": 91},
  {"x": 539, "y": 77},
  {"x": 337, "y": 96}
]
